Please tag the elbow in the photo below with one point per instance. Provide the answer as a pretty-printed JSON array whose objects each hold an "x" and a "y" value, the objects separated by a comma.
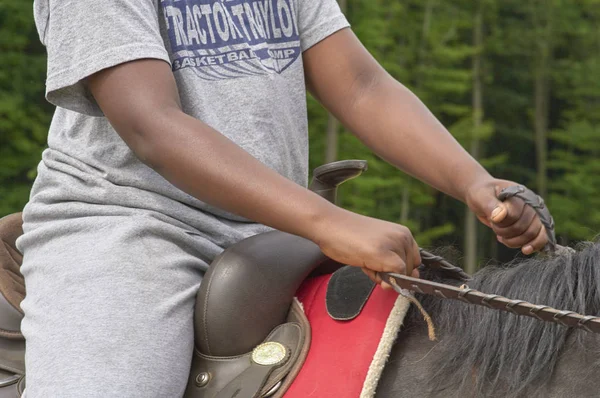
[
  {"x": 148, "y": 135},
  {"x": 146, "y": 151},
  {"x": 366, "y": 84}
]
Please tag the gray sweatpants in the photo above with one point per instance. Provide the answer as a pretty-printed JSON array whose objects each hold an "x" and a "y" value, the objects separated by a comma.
[{"x": 109, "y": 305}]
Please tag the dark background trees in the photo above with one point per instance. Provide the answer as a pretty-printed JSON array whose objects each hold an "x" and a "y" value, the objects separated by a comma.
[
  {"x": 517, "y": 83},
  {"x": 24, "y": 114}
]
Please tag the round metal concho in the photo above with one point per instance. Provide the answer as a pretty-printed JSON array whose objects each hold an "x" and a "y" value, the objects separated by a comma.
[
  {"x": 202, "y": 379},
  {"x": 269, "y": 353}
]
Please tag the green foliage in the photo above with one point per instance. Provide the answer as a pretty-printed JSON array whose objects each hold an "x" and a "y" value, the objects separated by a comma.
[
  {"x": 24, "y": 116},
  {"x": 575, "y": 195},
  {"x": 428, "y": 46}
]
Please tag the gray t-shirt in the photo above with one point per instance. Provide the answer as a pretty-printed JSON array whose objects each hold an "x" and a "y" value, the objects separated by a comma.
[{"x": 238, "y": 67}]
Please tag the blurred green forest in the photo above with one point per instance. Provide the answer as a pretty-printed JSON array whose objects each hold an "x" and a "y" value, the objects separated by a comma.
[{"x": 516, "y": 82}]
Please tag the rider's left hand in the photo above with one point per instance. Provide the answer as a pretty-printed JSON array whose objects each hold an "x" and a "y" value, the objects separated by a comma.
[{"x": 515, "y": 224}]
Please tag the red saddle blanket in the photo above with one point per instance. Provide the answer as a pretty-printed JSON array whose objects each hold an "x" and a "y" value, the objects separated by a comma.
[{"x": 346, "y": 358}]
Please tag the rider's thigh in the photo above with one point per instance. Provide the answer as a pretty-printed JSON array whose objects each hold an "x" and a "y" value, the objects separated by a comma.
[{"x": 109, "y": 308}]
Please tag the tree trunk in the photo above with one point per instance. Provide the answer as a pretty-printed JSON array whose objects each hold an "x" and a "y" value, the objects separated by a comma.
[
  {"x": 477, "y": 99},
  {"x": 405, "y": 210},
  {"x": 541, "y": 92},
  {"x": 542, "y": 21},
  {"x": 427, "y": 16},
  {"x": 333, "y": 125}
]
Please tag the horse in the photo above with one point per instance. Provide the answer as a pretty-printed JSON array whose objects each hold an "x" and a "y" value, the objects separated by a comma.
[
  {"x": 247, "y": 294},
  {"x": 486, "y": 353}
]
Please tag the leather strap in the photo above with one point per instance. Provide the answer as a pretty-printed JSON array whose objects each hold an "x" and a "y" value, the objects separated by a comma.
[
  {"x": 537, "y": 203},
  {"x": 471, "y": 296},
  {"x": 439, "y": 262},
  {"x": 295, "y": 364},
  {"x": 494, "y": 301},
  {"x": 248, "y": 383},
  {"x": 21, "y": 386}
]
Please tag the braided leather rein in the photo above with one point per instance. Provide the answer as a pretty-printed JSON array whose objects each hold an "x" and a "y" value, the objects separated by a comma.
[
  {"x": 472, "y": 296},
  {"x": 401, "y": 283}
]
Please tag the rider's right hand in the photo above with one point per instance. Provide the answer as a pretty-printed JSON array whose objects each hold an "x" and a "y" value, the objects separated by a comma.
[{"x": 374, "y": 245}]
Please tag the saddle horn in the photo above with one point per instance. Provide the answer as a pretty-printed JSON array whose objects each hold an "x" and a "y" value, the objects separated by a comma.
[{"x": 328, "y": 177}]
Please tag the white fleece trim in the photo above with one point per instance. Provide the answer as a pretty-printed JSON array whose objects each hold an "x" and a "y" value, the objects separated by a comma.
[
  {"x": 299, "y": 304},
  {"x": 390, "y": 333}
]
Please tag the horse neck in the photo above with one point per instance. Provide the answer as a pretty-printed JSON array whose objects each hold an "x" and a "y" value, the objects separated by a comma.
[{"x": 414, "y": 365}]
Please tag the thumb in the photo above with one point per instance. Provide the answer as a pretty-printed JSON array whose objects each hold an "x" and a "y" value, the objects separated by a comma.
[
  {"x": 496, "y": 210},
  {"x": 498, "y": 213},
  {"x": 491, "y": 208}
]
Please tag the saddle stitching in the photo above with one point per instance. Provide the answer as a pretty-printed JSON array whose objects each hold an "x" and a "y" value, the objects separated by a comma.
[{"x": 11, "y": 334}]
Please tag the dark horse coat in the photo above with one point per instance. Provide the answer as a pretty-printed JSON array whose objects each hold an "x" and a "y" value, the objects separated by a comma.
[
  {"x": 485, "y": 353},
  {"x": 481, "y": 352}
]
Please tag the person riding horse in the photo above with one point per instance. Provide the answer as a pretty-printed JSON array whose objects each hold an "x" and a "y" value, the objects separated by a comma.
[{"x": 180, "y": 130}]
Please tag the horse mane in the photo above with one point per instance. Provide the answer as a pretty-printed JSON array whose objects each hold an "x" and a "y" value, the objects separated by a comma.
[{"x": 492, "y": 351}]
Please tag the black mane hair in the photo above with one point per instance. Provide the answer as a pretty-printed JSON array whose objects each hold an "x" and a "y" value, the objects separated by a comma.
[{"x": 492, "y": 351}]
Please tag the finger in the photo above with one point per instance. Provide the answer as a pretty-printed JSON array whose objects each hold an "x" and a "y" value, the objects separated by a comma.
[
  {"x": 536, "y": 244},
  {"x": 510, "y": 211},
  {"x": 394, "y": 262},
  {"x": 519, "y": 227},
  {"x": 417, "y": 260},
  {"x": 408, "y": 252},
  {"x": 373, "y": 275},
  {"x": 499, "y": 213},
  {"x": 530, "y": 234},
  {"x": 410, "y": 265}
]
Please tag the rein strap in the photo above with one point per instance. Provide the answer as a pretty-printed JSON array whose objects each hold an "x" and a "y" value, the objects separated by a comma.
[
  {"x": 494, "y": 301},
  {"x": 401, "y": 283}
]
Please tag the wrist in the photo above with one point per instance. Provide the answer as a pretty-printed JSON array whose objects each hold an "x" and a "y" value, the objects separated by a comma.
[
  {"x": 321, "y": 222},
  {"x": 314, "y": 215},
  {"x": 481, "y": 188},
  {"x": 470, "y": 182}
]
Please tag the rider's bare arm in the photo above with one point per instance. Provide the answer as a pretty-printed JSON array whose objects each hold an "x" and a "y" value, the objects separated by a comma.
[
  {"x": 141, "y": 101},
  {"x": 393, "y": 122}
]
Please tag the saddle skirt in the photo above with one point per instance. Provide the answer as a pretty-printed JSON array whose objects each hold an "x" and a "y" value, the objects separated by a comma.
[{"x": 347, "y": 357}]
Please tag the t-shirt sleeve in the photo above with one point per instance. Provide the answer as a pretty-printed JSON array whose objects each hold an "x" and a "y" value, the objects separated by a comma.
[
  {"x": 83, "y": 37},
  {"x": 319, "y": 19}
]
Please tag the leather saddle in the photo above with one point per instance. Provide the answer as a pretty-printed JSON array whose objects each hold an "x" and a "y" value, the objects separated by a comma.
[{"x": 251, "y": 335}]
